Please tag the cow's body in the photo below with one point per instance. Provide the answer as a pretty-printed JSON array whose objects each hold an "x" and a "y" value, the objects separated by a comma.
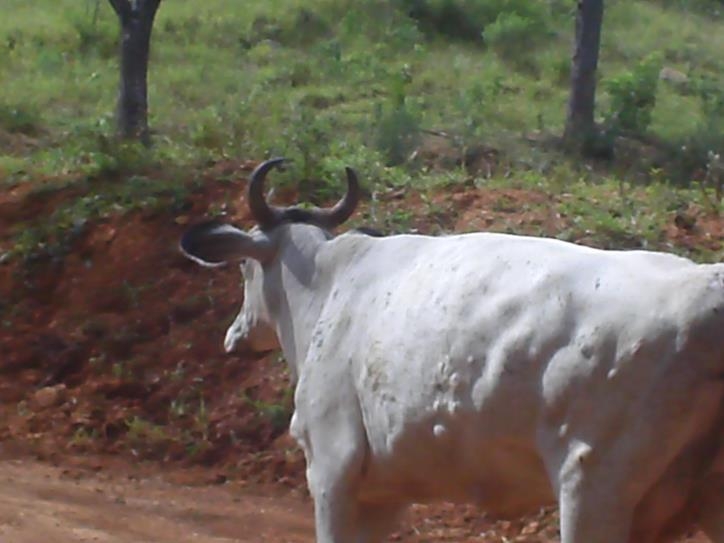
[
  {"x": 475, "y": 364},
  {"x": 503, "y": 370}
]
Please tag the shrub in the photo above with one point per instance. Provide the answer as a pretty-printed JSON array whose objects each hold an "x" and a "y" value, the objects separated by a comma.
[
  {"x": 514, "y": 36},
  {"x": 397, "y": 133},
  {"x": 466, "y": 20},
  {"x": 633, "y": 96},
  {"x": 706, "y": 144},
  {"x": 710, "y": 92},
  {"x": 450, "y": 18},
  {"x": 96, "y": 36},
  {"x": 18, "y": 119},
  {"x": 302, "y": 27},
  {"x": 397, "y": 124},
  {"x": 557, "y": 67},
  {"x": 708, "y": 7},
  {"x": 308, "y": 138}
]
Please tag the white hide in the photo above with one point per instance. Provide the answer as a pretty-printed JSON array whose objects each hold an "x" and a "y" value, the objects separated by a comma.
[{"x": 503, "y": 370}]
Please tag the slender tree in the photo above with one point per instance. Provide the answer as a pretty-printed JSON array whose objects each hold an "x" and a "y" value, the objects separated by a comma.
[
  {"x": 580, "y": 118},
  {"x": 136, "y": 19}
]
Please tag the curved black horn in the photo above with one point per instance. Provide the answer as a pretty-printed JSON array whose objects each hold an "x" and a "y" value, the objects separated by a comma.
[
  {"x": 270, "y": 216},
  {"x": 343, "y": 209},
  {"x": 264, "y": 214},
  {"x": 332, "y": 217}
]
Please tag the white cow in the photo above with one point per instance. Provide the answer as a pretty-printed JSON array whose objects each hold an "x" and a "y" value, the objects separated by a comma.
[{"x": 503, "y": 370}]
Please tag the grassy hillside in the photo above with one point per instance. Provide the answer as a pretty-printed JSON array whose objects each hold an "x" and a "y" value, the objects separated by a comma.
[{"x": 362, "y": 83}]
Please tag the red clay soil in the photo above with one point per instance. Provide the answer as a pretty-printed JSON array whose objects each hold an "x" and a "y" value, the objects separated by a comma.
[{"x": 112, "y": 355}]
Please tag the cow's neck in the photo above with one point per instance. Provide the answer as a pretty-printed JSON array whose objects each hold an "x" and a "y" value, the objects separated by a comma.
[{"x": 300, "y": 292}]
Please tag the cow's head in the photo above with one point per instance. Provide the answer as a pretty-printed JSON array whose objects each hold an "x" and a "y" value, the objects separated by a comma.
[{"x": 215, "y": 243}]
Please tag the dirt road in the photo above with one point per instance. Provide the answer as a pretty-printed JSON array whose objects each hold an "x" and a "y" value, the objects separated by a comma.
[
  {"x": 118, "y": 504},
  {"x": 52, "y": 505}
]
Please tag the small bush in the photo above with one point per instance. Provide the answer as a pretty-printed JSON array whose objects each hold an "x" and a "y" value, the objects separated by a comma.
[
  {"x": 96, "y": 31},
  {"x": 514, "y": 36},
  {"x": 397, "y": 133},
  {"x": 558, "y": 68},
  {"x": 474, "y": 106},
  {"x": 183, "y": 30},
  {"x": 309, "y": 137},
  {"x": 98, "y": 153},
  {"x": 708, "y": 7},
  {"x": 633, "y": 96},
  {"x": 449, "y": 18},
  {"x": 710, "y": 92},
  {"x": 96, "y": 37},
  {"x": 210, "y": 130},
  {"x": 397, "y": 124},
  {"x": 706, "y": 144},
  {"x": 19, "y": 119},
  {"x": 466, "y": 20},
  {"x": 304, "y": 27}
]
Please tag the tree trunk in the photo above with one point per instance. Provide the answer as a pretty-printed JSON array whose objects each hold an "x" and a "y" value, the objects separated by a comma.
[
  {"x": 581, "y": 104},
  {"x": 136, "y": 18}
]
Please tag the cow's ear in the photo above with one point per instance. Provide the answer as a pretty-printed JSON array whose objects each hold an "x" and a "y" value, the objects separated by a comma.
[{"x": 214, "y": 243}]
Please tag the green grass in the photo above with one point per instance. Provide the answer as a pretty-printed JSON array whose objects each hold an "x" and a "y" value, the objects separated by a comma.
[
  {"x": 328, "y": 84},
  {"x": 231, "y": 82}
]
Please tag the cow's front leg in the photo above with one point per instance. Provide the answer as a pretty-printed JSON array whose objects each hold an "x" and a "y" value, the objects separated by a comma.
[
  {"x": 586, "y": 518},
  {"x": 332, "y": 484}
]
